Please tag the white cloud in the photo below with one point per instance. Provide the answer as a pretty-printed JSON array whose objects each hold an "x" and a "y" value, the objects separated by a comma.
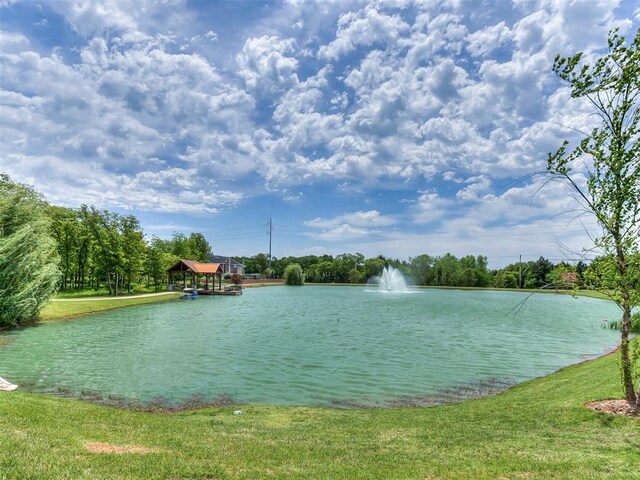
[
  {"x": 349, "y": 226},
  {"x": 485, "y": 40},
  {"x": 342, "y": 233},
  {"x": 128, "y": 107},
  {"x": 368, "y": 219},
  {"x": 432, "y": 36},
  {"x": 365, "y": 28},
  {"x": 125, "y": 21},
  {"x": 476, "y": 187},
  {"x": 429, "y": 207},
  {"x": 89, "y": 18},
  {"x": 375, "y": 69},
  {"x": 173, "y": 190},
  {"x": 13, "y": 42},
  {"x": 265, "y": 64}
]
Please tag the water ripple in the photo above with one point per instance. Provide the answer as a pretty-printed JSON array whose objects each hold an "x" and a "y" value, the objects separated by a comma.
[{"x": 310, "y": 345}]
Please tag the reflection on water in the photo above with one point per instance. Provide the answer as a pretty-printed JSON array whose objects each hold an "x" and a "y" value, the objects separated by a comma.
[{"x": 309, "y": 345}]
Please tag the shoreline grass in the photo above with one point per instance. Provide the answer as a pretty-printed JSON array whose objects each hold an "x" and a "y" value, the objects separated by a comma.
[{"x": 65, "y": 309}]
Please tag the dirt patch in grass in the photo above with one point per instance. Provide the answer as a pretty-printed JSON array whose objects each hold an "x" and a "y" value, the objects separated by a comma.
[
  {"x": 101, "y": 447},
  {"x": 613, "y": 406}
]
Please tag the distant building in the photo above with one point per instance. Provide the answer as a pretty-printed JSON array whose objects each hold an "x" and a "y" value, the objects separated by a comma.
[{"x": 228, "y": 264}]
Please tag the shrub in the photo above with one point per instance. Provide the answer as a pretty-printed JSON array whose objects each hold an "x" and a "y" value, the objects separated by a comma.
[{"x": 293, "y": 275}]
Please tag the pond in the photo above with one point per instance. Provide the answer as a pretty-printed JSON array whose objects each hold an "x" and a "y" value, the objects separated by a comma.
[{"x": 309, "y": 345}]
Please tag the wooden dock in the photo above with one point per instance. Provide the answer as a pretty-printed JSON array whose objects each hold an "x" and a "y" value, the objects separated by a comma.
[{"x": 232, "y": 292}]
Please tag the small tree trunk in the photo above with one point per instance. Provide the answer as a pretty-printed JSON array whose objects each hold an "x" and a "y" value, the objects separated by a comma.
[
  {"x": 625, "y": 358},
  {"x": 625, "y": 304}
]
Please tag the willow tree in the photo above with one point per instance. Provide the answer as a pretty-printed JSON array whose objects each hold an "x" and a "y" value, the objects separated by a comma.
[
  {"x": 609, "y": 157},
  {"x": 28, "y": 257},
  {"x": 293, "y": 274}
]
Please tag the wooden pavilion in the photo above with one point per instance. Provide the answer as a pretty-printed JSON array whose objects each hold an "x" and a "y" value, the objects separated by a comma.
[{"x": 189, "y": 269}]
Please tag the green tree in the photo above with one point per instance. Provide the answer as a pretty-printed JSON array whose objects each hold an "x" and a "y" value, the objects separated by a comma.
[
  {"x": 180, "y": 246},
  {"x": 447, "y": 270},
  {"x": 261, "y": 263},
  {"x": 133, "y": 249},
  {"x": 611, "y": 85},
  {"x": 321, "y": 271},
  {"x": 557, "y": 277},
  {"x": 473, "y": 271},
  {"x": 293, "y": 274},
  {"x": 356, "y": 276},
  {"x": 373, "y": 267},
  {"x": 109, "y": 254},
  {"x": 538, "y": 272},
  {"x": 157, "y": 260},
  {"x": 483, "y": 276},
  {"x": 506, "y": 279},
  {"x": 342, "y": 265},
  {"x": 199, "y": 247},
  {"x": 65, "y": 228},
  {"x": 422, "y": 269},
  {"x": 86, "y": 251},
  {"x": 28, "y": 258}
]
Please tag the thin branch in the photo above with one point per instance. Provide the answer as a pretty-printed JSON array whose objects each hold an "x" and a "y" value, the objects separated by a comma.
[{"x": 521, "y": 304}]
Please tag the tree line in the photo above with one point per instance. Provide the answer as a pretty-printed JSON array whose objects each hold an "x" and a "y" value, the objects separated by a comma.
[
  {"x": 100, "y": 249},
  {"x": 428, "y": 270}
]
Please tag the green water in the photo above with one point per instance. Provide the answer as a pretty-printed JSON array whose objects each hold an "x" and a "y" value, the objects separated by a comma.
[{"x": 309, "y": 345}]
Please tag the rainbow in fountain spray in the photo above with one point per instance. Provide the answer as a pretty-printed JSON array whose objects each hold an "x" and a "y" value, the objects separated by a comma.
[{"x": 391, "y": 280}]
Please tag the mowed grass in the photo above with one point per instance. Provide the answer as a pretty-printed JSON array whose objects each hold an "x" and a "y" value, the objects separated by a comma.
[
  {"x": 538, "y": 429},
  {"x": 69, "y": 308}
]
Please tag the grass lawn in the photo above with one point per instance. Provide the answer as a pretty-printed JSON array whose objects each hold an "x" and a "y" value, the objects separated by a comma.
[
  {"x": 538, "y": 429},
  {"x": 72, "y": 307}
]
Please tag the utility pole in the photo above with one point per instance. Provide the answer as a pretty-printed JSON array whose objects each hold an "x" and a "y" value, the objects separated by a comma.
[
  {"x": 270, "y": 235},
  {"x": 520, "y": 272}
]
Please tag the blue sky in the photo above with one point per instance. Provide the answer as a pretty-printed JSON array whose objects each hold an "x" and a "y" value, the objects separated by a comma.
[{"x": 389, "y": 127}]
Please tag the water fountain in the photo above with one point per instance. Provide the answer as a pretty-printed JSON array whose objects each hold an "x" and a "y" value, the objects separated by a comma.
[{"x": 391, "y": 280}]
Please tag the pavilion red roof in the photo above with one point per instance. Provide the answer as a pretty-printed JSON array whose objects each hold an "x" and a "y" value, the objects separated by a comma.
[{"x": 196, "y": 267}]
